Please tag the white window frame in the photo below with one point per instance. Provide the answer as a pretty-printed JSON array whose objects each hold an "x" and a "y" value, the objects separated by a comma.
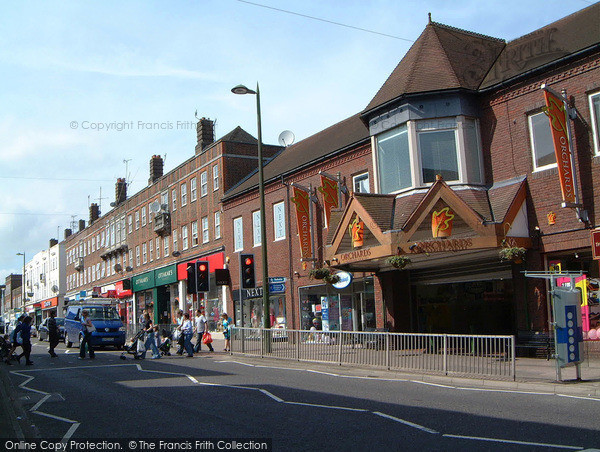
[
  {"x": 183, "y": 189},
  {"x": 256, "y": 232},
  {"x": 279, "y": 221},
  {"x": 174, "y": 199},
  {"x": 166, "y": 246},
  {"x": 158, "y": 247},
  {"x": 595, "y": 122},
  {"x": 175, "y": 242},
  {"x": 205, "y": 236},
  {"x": 238, "y": 234},
  {"x": 137, "y": 220},
  {"x": 143, "y": 216},
  {"x": 458, "y": 149},
  {"x": 150, "y": 214},
  {"x": 130, "y": 221},
  {"x": 193, "y": 189},
  {"x": 360, "y": 177},
  {"x": 217, "y": 225},
  {"x": 150, "y": 250},
  {"x": 203, "y": 184},
  {"x": 131, "y": 257},
  {"x": 532, "y": 140},
  {"x": 194, "y": 233},
  {"x": 144, "y": 253},
  {"x": 184, "y": 238},
  {"x": 215, "y": 171}
]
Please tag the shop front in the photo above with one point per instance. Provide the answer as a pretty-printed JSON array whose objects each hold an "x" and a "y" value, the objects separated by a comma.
[
  {"x": 331, "y": 308},
  {"x": 122, "y": 293},
  {"x": 249, "y": 313},
  {"x": 436, "y": 257},
  {"x": 212, "y": 300},
  {"x": 156, "y": 291},
  {"x": 48, "y": 306}
]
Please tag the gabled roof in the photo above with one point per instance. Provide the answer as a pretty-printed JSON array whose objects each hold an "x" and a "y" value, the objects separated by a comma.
[
  {"x": 239, "y": 135},
  {"x": 338, "y": 137},
  {"x": 441, "y": 58}
]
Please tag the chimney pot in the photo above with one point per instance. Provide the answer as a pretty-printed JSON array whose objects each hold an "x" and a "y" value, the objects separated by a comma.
[
  {"x": 94, "y": 213},
  {"x": 205, "y": 133},
  {"x": 81, "y": 225},
  {"x": 156, "y": 169},
  {"x": 53, "y": 242},
  {"x": 120, "y": 191},
  {"x": 68, "y": 232}
]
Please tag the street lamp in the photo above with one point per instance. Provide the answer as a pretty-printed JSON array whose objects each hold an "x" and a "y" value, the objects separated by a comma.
[
  {"x": 23, "y": 290},
  {"x": 241, "y": 89}
]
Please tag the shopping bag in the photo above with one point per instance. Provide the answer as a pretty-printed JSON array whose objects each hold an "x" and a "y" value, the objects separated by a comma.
[
  {"x": 206, "y": 338},
  {"x": 19, "y": 338},
  {"x": 141, "y": 347}
]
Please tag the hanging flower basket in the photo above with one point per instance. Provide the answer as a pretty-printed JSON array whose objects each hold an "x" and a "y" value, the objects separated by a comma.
[
  {"x": 398, "y": 262},
  {"x": 513, "y": 253},
  {"x": 324, "y": 274}
]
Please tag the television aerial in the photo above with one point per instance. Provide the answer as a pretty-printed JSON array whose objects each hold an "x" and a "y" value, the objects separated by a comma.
[{"x": 286, "y": 138}]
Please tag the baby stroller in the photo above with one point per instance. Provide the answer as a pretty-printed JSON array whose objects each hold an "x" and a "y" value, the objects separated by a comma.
[
  {"x": 165, "y": 345},
  {"x": 136, "y": 347},
  {"x": 5, "y": 349}
]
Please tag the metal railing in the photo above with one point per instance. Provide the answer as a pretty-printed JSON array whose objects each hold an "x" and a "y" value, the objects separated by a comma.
[{"x": 469, "y": 355}]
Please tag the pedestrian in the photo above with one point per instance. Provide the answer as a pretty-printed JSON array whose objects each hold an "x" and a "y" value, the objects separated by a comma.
[
  {"x": 142, "y": 318},
  {"x": 187, "y": 330},
  {"x": 201, "y": 327},
  {"x": 180, "y": 339},
  {"x": 150, "y": 338},
  {"x": 25, "y": 330},
  {"x": 15, "y": 344},
  {"x": 88, "y": 329},
  {"x": 226, "y": 332},
  {"x": 53, "y": 335}
]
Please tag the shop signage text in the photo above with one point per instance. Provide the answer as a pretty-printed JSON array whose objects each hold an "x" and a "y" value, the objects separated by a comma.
[
  {"x": 438, "y": 246},
  {"x": 302, "y": 201},
  {"x": 557, "y": 113},
  {"x": 166, "y": 275},
  {"x": 596, "y": 244},
  {"x": 356, "y": 255}
]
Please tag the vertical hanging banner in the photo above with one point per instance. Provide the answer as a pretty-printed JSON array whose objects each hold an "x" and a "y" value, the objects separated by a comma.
[
  {"x": 329, "y": 190},
  {"x": 302, "y": 201},
  {"x": 557, "y": 114}
]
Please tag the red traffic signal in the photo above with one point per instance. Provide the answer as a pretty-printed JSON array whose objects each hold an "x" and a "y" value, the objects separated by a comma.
[{"x": 247, "y": 271}]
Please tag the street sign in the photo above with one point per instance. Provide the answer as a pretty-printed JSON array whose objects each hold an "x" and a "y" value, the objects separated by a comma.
[
  {"x": 277, "y": 280},
  {"x": 277, "y": 288}
]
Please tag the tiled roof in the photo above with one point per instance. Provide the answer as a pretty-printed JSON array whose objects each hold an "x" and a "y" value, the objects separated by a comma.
[
  {"x": 441, "y": 58},
  {"x": 337, "y": 137},
  {"x": 502, "y": 195},
  {"x": 239, "y": 135},
  {"x": 379, "y": 207}
]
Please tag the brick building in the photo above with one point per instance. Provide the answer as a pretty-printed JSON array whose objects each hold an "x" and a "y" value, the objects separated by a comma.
[
  {"x": 459, "y": 162},
  {"x": 141, "y": 251}
]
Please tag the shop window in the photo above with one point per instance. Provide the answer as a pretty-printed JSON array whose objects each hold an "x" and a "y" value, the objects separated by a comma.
[
  {"x": 393, "y": 160},
  {"x": 256, "y": 231},
  {"x": 279, "y": 220},
  {"x": 595, "y": 116},
  {"x": 541, "y": 142},
  {"x": 360, "y": 183},
  {"x": 238, "y": 234}
]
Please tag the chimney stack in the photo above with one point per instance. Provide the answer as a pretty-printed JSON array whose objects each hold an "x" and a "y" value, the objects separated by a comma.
[
  {"x": 156, "y": 169},
  {"x": 205, "y": 132},
  {"x": 120, "y": 191},
  {"x": 81, "y": 225},
  {"x": 94, "y": 212},
  {"x": 53, "y": 242},
  {"x": 68, "y": 233}
]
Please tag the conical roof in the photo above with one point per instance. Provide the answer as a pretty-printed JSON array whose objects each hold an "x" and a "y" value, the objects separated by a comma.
[{"x": 442, "y": 58}]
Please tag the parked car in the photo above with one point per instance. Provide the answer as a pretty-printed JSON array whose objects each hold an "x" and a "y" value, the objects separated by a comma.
[
  {"x": 109, "y": 327},
  {"x": 43, "y": 329}
]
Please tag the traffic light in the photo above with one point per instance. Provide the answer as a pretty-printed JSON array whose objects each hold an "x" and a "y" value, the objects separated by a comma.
[
  {"x": 191, "y": 278},
  {"x": 203, "y": 276},
  {"x": 247, "y": 271}
]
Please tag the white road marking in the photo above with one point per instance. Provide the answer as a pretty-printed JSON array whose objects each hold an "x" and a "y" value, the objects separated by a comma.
[
  {"x": 268, "y": 394},
  {"x": 39, "y": 404},
  {"x": 405, "y": 422},
  {"x": 333, "y": 407},
  {"x": 510, "y": 441},
  {"x": 53, "y": 416},
  {"x": 70, "y": 432}
]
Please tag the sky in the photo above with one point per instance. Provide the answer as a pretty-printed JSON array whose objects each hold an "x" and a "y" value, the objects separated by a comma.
[{"x": 89, "y": 91}]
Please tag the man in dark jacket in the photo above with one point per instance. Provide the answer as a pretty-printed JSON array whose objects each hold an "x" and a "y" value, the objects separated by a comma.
[
  {"x": 53, "y": 335},
  {"x": 25, "y": 329}
]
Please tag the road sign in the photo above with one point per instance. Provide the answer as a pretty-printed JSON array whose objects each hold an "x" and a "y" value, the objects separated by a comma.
[
  {"x": 277, "y": 288},
  {"x": 277, "y": 280}
]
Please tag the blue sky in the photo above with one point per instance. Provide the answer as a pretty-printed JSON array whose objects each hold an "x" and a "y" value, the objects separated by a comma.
[{"x": 66, "y": 66}]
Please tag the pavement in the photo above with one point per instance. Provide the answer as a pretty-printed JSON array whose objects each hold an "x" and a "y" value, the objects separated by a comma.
[{"x": 532, "y": 375}]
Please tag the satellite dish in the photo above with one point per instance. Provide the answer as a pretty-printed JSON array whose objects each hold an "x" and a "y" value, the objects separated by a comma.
[
  {"x": 55, "y": 288},
  {"x": 164, "y": 207},
  {"x": 113, "y": 204},
  {"x": 155, "y": 207},
  {"x": 286, "y": 138}
]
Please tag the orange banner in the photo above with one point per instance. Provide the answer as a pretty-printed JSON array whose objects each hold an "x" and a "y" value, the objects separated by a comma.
[
  {"x": 302, "y": 201},
  {"x": 329, "y": 190},
  {"x": 557, "y": 114}
]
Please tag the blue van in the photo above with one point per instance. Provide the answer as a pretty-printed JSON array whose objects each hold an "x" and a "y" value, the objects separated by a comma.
[{"x": 109, "y": 327}]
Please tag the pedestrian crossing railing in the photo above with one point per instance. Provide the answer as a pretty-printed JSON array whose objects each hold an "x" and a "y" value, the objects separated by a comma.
[{"x": 449, "y": 354}]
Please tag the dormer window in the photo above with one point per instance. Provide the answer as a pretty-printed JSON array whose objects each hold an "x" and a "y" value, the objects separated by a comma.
[{"x": 412, "y": 154}]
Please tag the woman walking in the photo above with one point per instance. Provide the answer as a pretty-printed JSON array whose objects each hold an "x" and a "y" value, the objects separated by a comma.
[
  {"x": 187, "y": 329},
  {"x": 25, "y": 331},
  {"x": 88, "y": 329},
  {"x": 226, "y": 332},
  {"x": 150, "y": 337}
]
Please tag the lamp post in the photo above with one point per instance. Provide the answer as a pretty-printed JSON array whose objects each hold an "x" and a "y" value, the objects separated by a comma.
[
  {"x": 23, "y": 289},
  {"x": 241, "y": 89}
]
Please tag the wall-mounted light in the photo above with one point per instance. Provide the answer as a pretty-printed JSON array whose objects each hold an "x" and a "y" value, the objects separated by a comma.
[{"x": 412, "y": 247}]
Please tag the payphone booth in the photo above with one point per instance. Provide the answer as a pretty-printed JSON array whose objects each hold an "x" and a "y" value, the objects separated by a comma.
[{"x": 568, "y": 328}]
